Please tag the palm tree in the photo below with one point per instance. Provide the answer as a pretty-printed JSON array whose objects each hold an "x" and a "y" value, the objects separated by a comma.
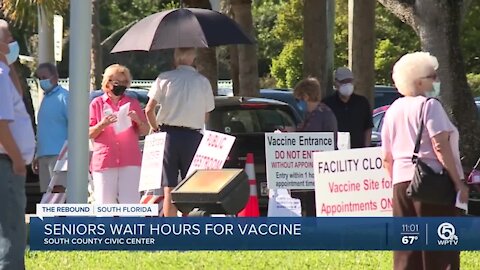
[{"x": 36, "y": 14}]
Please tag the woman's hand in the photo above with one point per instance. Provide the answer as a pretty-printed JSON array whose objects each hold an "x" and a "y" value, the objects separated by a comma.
[
  {"x": 107, "y": 120},
  {"x": 134, "y": 116},
  {"x": 464, "y": 192}
]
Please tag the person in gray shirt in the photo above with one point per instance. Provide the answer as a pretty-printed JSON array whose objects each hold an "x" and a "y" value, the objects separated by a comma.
[{"x": 319, "y": 118}]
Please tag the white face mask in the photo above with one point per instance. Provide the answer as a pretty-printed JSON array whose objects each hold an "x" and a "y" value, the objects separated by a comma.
[
  {"x": 346, "y": 90},
  {"x": 435, "y": 92}
]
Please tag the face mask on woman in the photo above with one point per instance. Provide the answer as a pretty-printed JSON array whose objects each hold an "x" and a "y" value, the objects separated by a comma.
[
  {"x": 435, "y": 92},
  {"x": 118, "y": 90}
]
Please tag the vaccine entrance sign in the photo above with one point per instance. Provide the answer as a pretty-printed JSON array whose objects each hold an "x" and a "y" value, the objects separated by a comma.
[
  {"x": 333, "y": 233},
  {"x": 352, "y": 183},
  {"x": 289, "y": 158}
]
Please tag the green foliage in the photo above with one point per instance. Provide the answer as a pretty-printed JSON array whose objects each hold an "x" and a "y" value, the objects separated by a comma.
[
  {"x": 474, "y": 82},
  {"x": 394, "y": 39},
  {"x": 289, "y": 25},
  {"x": 264, "y": 15},
  {"x": 287, "y": 67},
  {"x": 471, "y": 38},
  {"x": 341, "y": 33}
]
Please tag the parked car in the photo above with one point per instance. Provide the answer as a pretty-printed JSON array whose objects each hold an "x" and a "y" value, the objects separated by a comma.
[
  {"x": 385, "y": 95},
  {"x": 284, "y": 95},
  {"x": 378, "y": 115},
  {"x": 248, "y": 119}
]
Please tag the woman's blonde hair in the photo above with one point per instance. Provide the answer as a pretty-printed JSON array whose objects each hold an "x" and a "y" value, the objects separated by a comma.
[
  {"x": 116, "y": 69},
  {"x": 309, "y": 87},
  {"x": 411, "y": 67}
]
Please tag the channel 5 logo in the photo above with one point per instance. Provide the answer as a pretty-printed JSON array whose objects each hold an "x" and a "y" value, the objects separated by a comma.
[{"x": 446, "y": 233}]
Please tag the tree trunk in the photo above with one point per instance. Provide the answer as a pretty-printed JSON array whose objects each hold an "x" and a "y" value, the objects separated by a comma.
[
  {"x": 234, "y": 69},
  {"x": 361, "y": 46},
  {"x": 438, "y": 23},
  {"x": 314, "y": 41},
  {"x": 206, "y": 61},
  {"x": 45, "y": 35},
  {"x": 96, "y": 52},
  {"x": 439, "y": 31},
  {"x": 247, "y": 54}
]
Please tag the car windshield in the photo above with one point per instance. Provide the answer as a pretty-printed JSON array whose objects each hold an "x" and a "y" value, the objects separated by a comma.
[{"x": 249, "y": 120}]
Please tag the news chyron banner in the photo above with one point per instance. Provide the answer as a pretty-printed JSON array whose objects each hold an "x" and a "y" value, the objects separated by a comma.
[
  {"x": 289, "y": 158},
  {"x": 352, "y": 183},
  {"x": 333, "y": 233}
]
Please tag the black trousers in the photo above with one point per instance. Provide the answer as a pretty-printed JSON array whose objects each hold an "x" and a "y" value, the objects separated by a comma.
[{"x": 422, "y": 260}]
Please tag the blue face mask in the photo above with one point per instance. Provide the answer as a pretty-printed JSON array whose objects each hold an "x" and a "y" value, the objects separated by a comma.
[
  {"x": 12, "y": 56},
  {"x": 435, "y": 90},
  {"x": 46, "y": 85},
  {"x": 302, "y": 104}
]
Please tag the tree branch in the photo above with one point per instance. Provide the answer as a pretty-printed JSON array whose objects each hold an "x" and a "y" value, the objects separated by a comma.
[
  {"x": 402, "y": 9},
  {"x": 116, "y": 33}
]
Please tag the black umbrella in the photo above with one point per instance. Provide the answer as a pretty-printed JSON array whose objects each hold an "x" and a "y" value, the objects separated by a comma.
[{"x": 180, "y": 28}]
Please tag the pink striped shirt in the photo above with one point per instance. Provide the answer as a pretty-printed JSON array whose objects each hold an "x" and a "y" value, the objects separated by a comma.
[{"x": 111, "y": 150}]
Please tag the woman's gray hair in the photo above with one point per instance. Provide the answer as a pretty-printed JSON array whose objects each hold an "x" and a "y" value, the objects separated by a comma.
[{"x": 410, "y": 68}]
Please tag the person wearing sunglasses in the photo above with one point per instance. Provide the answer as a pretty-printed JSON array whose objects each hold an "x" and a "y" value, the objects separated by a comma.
[
  {"x": 415, "y": 77},
  {"x": 116, "y": 158}
]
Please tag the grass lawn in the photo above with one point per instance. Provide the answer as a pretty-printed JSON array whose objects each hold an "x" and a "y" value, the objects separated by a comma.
[{"x": 222, "y": 260}]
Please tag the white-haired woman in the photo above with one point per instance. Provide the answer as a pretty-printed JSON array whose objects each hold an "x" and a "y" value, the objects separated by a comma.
[
  {"x": 415, "y": 76},
  {"x": 116, "y": 157}
]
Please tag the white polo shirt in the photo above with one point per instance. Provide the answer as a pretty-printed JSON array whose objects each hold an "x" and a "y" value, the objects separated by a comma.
[
  {"x": 184, "y": 96},
  {"x": 13, "y": 110}
]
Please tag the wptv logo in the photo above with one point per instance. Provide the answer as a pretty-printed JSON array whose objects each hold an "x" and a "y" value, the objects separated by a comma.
[{"x": 446, "y": 233}]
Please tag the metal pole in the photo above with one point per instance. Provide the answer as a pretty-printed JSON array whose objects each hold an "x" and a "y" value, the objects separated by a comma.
[{"x": 79, "y": 83}]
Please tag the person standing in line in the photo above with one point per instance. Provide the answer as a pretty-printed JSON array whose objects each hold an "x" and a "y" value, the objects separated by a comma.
[
  {"x": 352, "y": 111},
  {"x": 52, "y": 126},
  {"x": 319, "y": 118},
  {"x": 17, "y": 148},
  {"x": 186, "y": 98},
  {"x": 415, "y": 76},
  {"x": 116, "y": 158}
]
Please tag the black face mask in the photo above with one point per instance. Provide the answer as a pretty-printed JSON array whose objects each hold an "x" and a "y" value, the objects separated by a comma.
[{"x": 118, "y": 90}]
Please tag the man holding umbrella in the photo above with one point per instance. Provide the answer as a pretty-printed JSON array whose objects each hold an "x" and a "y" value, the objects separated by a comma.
[{"x": 185, "y": 98}]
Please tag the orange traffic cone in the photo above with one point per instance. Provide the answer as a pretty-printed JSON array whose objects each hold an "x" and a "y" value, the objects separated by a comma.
[
  {"x": 251, "y": 209},
  {"x": 153, "y": 199}
]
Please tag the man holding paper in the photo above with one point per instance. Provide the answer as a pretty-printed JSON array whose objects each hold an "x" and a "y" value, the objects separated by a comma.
[{"x": 116, "y": 122}]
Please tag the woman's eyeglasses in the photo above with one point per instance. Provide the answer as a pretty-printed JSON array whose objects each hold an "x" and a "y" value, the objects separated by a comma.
[
  {"x": 433, "y": 77},
  {"x": 115, "y": 82}
]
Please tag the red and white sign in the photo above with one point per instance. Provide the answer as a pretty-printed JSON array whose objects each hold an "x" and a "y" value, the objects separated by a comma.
[
  {"x": 152, "y": 162},
  {"x": 352, "y": 183},
  {"x": 62, "y": 160},
  {"x": 212, "y": 151},
  {"x": 289, "y": 158}
]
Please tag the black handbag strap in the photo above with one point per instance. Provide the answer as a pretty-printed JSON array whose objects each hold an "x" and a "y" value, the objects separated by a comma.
[{"x": 420, "y": 132}]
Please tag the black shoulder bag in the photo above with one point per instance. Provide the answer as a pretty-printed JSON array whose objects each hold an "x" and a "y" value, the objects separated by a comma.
[{"x": 428, "y": 186}]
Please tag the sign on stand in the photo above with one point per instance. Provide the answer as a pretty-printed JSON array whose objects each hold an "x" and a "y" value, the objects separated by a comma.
[
  {"x": 152, "y": 162},
  {"x": 289, "y": 158},
  {"x": 212, "y": 151},
  {"x": 352, "y": 183}
]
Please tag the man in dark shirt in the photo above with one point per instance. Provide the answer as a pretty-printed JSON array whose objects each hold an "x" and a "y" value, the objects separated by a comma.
[{"x": 352, "y": 111}]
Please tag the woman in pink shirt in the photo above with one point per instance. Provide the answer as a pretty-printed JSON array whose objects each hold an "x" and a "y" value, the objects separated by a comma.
[
  {"x": 415, "y": 76},
  {"x": 116, "y": 159}
]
